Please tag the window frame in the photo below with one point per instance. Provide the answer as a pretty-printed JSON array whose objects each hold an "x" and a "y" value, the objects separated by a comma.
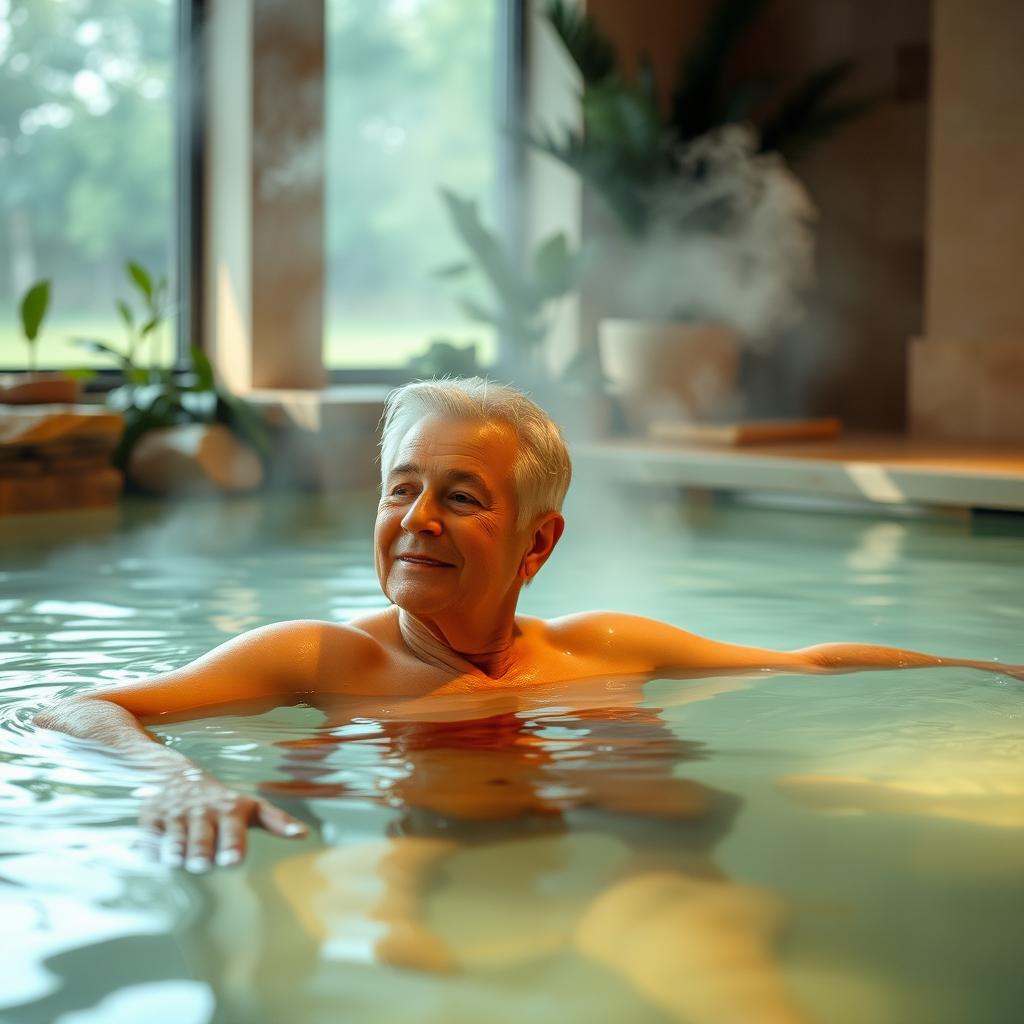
[
  {"x": 189, "y": 174},
  {"x": 188, "y": 164},
  {"x": 188, "y": 171}
]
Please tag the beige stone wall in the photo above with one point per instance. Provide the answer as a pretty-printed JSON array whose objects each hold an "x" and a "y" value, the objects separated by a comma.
[
  {"x": 975, "y": 288},
  {"x": 967, "y": 372}
]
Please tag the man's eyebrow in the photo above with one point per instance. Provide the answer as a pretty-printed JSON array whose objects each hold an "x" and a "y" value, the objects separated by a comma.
[
  {"x": 466, "y": 476},
  {"x": 463, "y": 476}
]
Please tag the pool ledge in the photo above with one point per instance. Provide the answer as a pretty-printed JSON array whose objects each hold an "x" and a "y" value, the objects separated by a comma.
[{"x": 886, "y": 470}]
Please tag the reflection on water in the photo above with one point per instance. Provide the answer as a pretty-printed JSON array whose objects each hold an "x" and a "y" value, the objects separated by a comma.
[{"x": 837, "y": 850}]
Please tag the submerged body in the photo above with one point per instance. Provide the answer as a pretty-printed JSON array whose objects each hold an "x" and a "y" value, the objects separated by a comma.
[
  {"x": 473, "y": 476},
  {"x": 468, "y": 515}
]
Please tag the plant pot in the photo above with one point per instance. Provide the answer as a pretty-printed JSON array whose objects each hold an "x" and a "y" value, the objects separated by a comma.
[
  {"x": 39, "y": 389},
  {"x": 670, "y": 371},
  {"x": 194, "y": 458}
]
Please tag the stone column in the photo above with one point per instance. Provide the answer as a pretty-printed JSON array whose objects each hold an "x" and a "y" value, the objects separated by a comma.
[
  {"x": 967, "y": 372},
  {"x": 264, "y": 202}
]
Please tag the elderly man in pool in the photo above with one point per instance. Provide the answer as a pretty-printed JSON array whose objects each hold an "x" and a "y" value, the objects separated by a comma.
[{"x": 473, "y": 479}]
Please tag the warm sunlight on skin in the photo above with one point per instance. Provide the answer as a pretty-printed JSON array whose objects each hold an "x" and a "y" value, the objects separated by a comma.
[
  {"x": 452, "y": 558},
  {"x": 452, "y": 554},
  {"x": 447, "y": 548}
]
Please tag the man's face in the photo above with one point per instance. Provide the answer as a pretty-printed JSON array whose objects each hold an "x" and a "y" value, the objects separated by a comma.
[{"x": 446, "y": 537}]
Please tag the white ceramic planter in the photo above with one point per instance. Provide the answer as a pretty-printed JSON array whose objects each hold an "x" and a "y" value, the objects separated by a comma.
[
  {"x": 670, "y": 371},
  {"x": 193, "y": 458}
]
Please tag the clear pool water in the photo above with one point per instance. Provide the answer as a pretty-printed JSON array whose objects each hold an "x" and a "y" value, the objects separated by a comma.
[{"x": 830, "y": 849}]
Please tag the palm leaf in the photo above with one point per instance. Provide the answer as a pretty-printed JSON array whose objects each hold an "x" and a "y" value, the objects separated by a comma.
[
  {"x": 804, "y": 104},
  {"x": 588, "y": 47},
  {"x": 822, "y": 124},
  {"x": 491, "y": 256},
  {"x": 553, "y": 268},
  {"x": 698, "y": 105}
]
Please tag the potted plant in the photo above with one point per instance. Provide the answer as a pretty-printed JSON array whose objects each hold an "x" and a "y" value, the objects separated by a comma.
[
  {"x": 33, "y": 387},
  {"x": 702, "y": 241},
  {"x": 183, "y": 430},
  {"x": 521, "y": 304}
]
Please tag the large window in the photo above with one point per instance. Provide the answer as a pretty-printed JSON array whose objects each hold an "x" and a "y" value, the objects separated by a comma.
[
  {"x": 415, "y": 96},
  {"x": 87, "y": 166}
]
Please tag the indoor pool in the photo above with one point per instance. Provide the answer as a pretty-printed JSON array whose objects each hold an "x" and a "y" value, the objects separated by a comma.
[{"x": 836, "y": 849}]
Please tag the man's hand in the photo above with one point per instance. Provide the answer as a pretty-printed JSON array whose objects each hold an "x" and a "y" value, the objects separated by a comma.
[
  {"x": 1014, "y": 671},
  {"x": 202, "y": 822}
]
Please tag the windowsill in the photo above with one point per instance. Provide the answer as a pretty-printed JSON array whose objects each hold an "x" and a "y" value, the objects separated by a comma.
[
  {"x": 338, "y": 406},
  {"x": 890, "y": 470}
]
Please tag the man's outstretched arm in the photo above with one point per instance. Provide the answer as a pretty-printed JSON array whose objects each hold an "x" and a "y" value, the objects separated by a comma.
[
  {"x": 647, "y": 646},
  {"x": 202, "y": 821}
]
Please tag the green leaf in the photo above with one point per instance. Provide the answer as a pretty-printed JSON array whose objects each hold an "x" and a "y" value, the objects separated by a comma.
[
  {"x": 202, "y": 369},
  {"x": 478, "y": 313},
  {"x": 698, "y": 104},
  {"x": 740, "y": 99},
  {"x": 126, "y": 314},
  {"x": 803, "y": 117},
  {"x": 453, "y": 270},
  {"x": 82, "y": 373},
  {"x": 141, "y": 279},
  {"x": 152, "y": 323},
  {"x": 491, "y": 256},
  {"x": 102, "y": 347},
  {"x": 33, "y": 308},
  {"x": 553, "y": 268},
  {"x": 588, "y": 47}
]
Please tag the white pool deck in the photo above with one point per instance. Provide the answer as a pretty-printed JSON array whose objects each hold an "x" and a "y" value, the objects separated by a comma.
[{"x": 885, "y": 470}]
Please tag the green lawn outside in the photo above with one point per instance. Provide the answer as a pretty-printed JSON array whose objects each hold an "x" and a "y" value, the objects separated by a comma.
[
  {"x": 54, "y": 349},
  {"x": 347, "y": 344}
]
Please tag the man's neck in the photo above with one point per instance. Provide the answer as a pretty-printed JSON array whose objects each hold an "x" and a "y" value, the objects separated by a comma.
[{"x": 491, "y": 654}]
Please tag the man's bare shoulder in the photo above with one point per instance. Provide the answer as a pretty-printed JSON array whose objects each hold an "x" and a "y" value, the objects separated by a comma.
[
  {"x": 359, "y": 645},
  {"x": 597, "y": 627},
  {"x": 617, "y": 641},
  {"x": 305, "y": 647}
]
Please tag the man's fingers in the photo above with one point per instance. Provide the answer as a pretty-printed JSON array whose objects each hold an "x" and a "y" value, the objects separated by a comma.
[
  {"x": 273, "y": 819},
  {"x": 199, "y": 849},
  {"x": 172, "y": 848},
  {"x": 231, "y": 836}
]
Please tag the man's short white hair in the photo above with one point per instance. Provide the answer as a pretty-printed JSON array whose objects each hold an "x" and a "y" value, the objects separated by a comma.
[{"x": 542, "y": 468}]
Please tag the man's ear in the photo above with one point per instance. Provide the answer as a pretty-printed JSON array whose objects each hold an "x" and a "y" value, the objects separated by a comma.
[{"x": 543, "y": 540}]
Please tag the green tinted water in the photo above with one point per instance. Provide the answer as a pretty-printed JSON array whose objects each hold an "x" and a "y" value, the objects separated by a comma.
[{"x": 844, "y": 848}]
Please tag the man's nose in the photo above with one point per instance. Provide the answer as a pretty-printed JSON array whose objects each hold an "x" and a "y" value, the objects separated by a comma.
[{"x": 422, "y": 516}]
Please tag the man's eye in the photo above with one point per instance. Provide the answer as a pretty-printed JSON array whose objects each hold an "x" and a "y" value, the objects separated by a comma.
[
  {"x": 463, "y": 499},
  {"x": 400, "y": 490}
]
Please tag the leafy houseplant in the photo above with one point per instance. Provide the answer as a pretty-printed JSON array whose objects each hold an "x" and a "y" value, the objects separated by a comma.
[
  {"x": 154, "y": 397},
  {"x": 628, "y": 151},
  {"x": 703, "y": 226},
  {"x": 33, "y": 310},
  {"x": 704, "y": 208},
  {"x": 33, "y": 387},
  {"x": 520, "y": 300}
]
